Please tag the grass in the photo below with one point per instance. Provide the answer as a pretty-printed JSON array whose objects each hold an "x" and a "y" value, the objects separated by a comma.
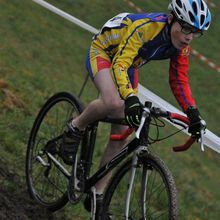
[{"x": 41, "y": 54}]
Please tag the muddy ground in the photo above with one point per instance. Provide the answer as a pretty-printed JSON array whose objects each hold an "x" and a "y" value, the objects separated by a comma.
[{"x": 15, "y": 203}]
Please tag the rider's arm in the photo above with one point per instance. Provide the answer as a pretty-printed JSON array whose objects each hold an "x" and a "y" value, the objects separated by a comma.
[
  {"x": 135, "y": 37},
  {"x": 181, "y": 89},
  {"x": 178, "y": 79}
]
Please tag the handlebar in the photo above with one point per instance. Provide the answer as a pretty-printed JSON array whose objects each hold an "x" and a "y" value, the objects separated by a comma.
[
  {"x": 174, "y": 118},
  {"x": 123, "y": 135}
]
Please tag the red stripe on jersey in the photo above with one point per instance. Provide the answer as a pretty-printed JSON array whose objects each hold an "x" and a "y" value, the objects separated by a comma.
[
  {"x": 135, "y": 78},
  {"x": 178, "y": 79}
]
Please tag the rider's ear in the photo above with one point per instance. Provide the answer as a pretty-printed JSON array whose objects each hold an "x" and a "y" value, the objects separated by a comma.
[{"x": 170, "y": 18}]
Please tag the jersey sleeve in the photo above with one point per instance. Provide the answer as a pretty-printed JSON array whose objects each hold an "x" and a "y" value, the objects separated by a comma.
[
  {"x": 132, "y": 41},
  {"x": 178, "y": 79}
]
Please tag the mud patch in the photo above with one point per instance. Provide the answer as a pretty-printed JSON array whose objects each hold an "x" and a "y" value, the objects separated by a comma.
[{"x": 15, "y": 203}]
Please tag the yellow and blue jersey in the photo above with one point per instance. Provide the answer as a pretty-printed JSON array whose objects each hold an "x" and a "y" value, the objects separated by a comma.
[{"x": 129, "y": 41}]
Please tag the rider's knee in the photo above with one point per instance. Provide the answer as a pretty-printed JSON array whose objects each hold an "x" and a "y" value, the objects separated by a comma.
[{"x": 114, "y": 104}]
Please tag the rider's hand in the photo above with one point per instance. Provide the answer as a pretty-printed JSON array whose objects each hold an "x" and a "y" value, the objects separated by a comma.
[
  {"x": 195, "y": 121},
  {"x": 133, "y": 111}
]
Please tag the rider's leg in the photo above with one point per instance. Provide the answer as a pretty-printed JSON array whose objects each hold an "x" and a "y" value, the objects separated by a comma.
[
  {"x": 108, "y": 104},
  {"x": 112, "y": 148}
]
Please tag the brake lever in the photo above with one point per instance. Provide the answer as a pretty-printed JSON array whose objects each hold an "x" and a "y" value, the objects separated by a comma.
[
  {"x": 145, "y": 113},
  {"x": 192, "y": 139},
  {"x": 202, "y": 132}
]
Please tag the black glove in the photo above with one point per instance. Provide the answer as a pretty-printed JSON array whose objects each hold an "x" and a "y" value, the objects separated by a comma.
[
  {"x": 195, "y": 121},
  {"x": 133, "y": 111}
]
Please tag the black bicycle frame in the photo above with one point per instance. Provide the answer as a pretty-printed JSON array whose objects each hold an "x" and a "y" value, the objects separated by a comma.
[
  {"x": 88, "y": 145},
  {"x": 129, "y": 148},
  {"x": 86, "y": 155}
]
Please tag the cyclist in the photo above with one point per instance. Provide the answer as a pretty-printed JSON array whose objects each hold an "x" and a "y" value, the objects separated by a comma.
[{"x": 125, "y": 43}]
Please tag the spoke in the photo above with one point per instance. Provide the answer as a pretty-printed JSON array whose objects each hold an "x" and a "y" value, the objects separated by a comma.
[
  {"x": 59, "y": 130},
  {"x": 149, "y": 193},
  {"x": 154, "y": 196},
  {"x": 47, "y": 184},
  {"x": 39, "y": 174},
  {"x": 42, "y": 188},
  {"x": 55, "y": 186},
  {"x": 149, "y": 198}
]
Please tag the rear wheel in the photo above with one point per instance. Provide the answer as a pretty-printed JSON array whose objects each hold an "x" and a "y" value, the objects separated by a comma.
[
  {"x": 46, "y": 183},
  {"x": 154, "y": 194}
]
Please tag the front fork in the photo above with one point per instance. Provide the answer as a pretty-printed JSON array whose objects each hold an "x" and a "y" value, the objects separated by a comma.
[{"x": 131, "y": 184}]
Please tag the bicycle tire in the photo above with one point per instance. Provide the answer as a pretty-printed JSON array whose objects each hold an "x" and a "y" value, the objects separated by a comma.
[
  {"x": 160, "y": 189},
  {"x": 45, "y": 185}
]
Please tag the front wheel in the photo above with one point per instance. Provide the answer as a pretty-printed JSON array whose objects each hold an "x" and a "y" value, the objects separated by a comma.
[
  {"x": 153, "y": 195},
  {"x": 46, "y": 183}
]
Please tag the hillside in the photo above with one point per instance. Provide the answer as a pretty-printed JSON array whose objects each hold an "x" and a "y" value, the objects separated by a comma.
[{"x": 41, "y": 53}]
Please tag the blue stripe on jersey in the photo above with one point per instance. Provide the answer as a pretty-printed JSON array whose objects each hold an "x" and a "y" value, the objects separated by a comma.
[
  {"x": 132, "y": 34},
  {"x": 131, "y": 75},
  {"x": 158, "y": 17}
]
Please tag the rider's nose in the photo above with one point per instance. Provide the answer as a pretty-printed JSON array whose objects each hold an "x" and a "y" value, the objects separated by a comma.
[{"x": 189, "y": 37}]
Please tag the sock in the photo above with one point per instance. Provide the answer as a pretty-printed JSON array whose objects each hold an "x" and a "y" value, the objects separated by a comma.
[{"x": 73, "y": 126}]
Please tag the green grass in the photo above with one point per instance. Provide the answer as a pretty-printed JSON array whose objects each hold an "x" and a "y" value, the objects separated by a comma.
[{"x": 41, "y": 53}]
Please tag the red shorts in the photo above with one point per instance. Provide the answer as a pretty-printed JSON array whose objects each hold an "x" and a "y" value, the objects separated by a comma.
[{"x": 97, "y": 60}]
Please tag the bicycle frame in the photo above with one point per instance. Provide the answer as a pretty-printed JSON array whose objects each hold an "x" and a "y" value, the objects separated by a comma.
[
  {"x": 136, "y": 146},
  {"x": 127, "y": 150},
  {"x": 86, "y": 155}
]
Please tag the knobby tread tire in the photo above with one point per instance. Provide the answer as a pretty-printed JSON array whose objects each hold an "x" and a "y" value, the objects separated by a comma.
[
  {"x": 49, "y": 104},
  {"x": 163, "y": 171}
]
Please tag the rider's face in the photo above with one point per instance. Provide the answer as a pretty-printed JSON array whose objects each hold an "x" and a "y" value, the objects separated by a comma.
[{"x": 178, "y": 38}]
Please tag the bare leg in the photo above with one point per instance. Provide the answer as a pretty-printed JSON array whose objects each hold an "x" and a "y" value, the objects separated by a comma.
[
  {"x": 109, "y": 104},
  {"x": 112, "y": 148}
]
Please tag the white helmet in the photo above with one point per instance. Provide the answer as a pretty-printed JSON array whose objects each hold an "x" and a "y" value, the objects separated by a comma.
[{"x": 193, "y": 12}]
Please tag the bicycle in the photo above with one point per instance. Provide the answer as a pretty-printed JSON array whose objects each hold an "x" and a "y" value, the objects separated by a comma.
[{"x": 141, "y": 188}]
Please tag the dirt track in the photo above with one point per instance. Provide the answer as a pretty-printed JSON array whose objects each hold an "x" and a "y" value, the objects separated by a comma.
[{"x": 15, "y": 203}]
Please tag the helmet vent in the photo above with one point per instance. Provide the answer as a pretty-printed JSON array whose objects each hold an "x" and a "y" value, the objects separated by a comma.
[
  {"x": 193, "y": 12},
  {"x": 191, "y": 17},
  {"x": 179, "y": 3},
  {"x": 194, "y": 6},
  {"x": 184, "y": 7},
  {"x": 177, "y": 11},
  {"x": 202, "y": 19},
  {"x": 202, "y": 6},
  {"x": 207, "y": 24}
]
